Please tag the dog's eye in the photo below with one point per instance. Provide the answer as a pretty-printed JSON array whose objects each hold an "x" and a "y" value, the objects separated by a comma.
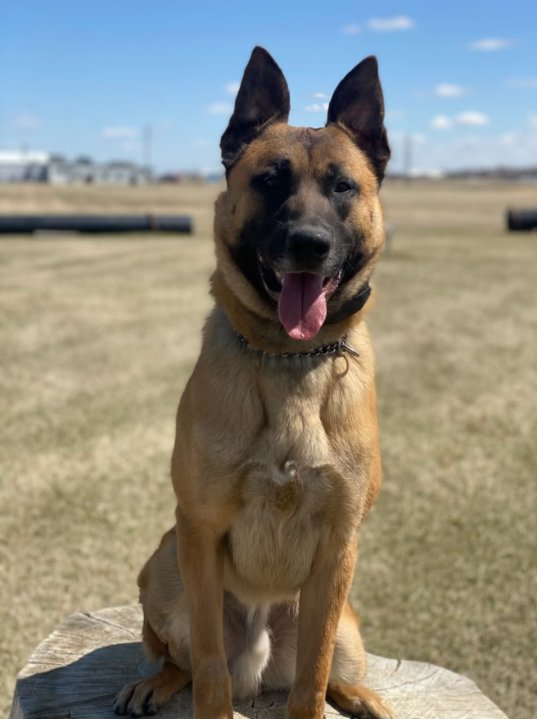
[
  {"x": 271, "y": 181},
  {"x": 275, "y": 181},
  {"x": 268, "y": 181},
  {"x": 343, "y": 186}
]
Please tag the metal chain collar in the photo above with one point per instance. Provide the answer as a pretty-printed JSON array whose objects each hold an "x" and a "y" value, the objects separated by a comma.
[{"x": 338, "y": 348}]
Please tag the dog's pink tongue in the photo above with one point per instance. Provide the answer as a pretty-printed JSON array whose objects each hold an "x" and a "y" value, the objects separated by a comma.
[{"x": 302, "y": 304}]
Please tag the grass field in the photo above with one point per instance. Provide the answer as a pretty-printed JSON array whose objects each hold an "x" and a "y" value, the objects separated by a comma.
[{"x": 98, "y": 337}]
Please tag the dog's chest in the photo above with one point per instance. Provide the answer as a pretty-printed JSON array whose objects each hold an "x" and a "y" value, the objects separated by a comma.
[
  {"x": 276, "y": 534},
  {"x": 292, "y": 492}
]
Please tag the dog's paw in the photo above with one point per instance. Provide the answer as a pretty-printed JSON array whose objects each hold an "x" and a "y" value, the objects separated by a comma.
[
  {"x": 359, "y": 701},
  {"x": 136, "y": 699},
  {"x": 145, "y": 697}
]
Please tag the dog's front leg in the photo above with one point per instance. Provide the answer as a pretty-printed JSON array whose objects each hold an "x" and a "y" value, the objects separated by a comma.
[
  {"x": 201, "y": 566},
  {"x": 321, "y": 601}
]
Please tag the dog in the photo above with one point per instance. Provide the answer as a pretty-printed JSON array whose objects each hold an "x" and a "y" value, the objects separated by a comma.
[{"x": 276, "y": 459}]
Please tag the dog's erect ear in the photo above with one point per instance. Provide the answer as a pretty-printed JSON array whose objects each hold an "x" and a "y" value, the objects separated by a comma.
[
  {"x": 263, "y": 98},
  {"x": 358, "y": 105}
]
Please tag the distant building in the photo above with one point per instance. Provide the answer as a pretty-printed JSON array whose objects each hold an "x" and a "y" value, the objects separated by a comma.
[
  {"x": 190, "y": 176},
  {"x": 20, "y": 166},
  {"x": 16, "y": 166}
]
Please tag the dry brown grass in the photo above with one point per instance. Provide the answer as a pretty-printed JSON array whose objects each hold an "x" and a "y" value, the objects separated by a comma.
[{"x": 98, "y": 337}]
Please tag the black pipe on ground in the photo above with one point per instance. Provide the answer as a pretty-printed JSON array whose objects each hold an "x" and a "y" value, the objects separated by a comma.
[
  {"x": 25, "y": 224},
  {"x": 521, "y": 220}
]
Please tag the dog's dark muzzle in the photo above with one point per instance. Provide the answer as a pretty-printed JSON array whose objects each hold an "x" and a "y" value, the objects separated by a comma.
[
  {"x": 304, "y": 248},
  {"x": 308, "y": 247}
]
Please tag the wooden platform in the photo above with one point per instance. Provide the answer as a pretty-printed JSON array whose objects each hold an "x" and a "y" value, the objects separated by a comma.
[{"x": 77, "y": 671}]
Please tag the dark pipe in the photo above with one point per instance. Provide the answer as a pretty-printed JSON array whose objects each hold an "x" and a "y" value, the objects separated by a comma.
[
  {"x": 521, "y": 220},
  {"x": 95, "y": 223}
]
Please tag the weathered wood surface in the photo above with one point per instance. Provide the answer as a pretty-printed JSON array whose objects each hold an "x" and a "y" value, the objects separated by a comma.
[{"x": 78, "y": 670}]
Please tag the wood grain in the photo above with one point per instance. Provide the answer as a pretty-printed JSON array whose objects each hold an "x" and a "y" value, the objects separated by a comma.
[{"x": 77, "y": 671}]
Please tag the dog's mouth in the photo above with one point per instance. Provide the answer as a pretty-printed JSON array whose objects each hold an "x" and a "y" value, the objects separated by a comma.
[{"x": 302, "y": 299}]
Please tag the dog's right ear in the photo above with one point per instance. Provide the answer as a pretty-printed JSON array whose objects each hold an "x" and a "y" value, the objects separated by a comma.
[{"x": 263, "y": 98}]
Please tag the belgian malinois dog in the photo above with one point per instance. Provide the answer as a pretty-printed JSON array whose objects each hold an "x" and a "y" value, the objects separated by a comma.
[{"x": 276, "y": 459}]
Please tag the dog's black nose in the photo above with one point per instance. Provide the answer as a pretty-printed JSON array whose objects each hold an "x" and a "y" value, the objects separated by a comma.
[{"x": 308, "y": 245}]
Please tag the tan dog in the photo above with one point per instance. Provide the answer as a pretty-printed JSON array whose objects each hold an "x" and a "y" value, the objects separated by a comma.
[{"x": 276, "y": 459}]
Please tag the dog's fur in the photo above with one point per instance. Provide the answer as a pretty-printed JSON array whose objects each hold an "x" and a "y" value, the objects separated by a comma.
[{"x": 276, "y": 459}]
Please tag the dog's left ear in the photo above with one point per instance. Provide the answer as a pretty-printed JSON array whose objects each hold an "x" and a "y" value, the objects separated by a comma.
[
  {"x": 263, "y": 98},
  {"x": 358, "y": 105}
]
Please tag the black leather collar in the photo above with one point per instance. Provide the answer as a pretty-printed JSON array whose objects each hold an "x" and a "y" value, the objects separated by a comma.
[{"x": 351, "y": 306}]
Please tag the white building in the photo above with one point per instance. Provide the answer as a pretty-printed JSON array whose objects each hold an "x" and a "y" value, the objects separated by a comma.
[{"x": 21, "y": 166}]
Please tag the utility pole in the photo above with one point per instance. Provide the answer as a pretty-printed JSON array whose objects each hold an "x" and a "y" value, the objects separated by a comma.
[
  {"x": 147, "y": 146},
  {"x": 407, "y": 156}
]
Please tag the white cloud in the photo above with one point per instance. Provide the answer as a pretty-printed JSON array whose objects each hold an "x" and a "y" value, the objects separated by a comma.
[
  {"x": 120, "y": 132},
  {"x": 525, "y": 82},
  {"x": 130, "y": 146},
  {"x": 472, "y": 118},
  {"x": 351, "y": 29},
  {"x": 27, "y": 121},
  {"x": 321, "y": 96},
  {"x": 395, "y": 115},
  {"x": 507, "y": 139},
  {"x": 532, "y": 122},
  {"x": 441, "y": 122},
  {"x": 419, "y": 138},
  {"x": 396, "y": 135},
  {"x": 468, "y": 148},
  {"x": 391, "y": 24},
  {"x": 490, "y": 44},
  {"x": 220, "y": 108},
  {"x": 317, "y": 107},
  {"x": 232, "y": 88},
  {"x": 449, "y": 90}
]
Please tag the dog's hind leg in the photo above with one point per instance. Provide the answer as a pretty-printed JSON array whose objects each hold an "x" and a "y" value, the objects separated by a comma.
[
  {"x": 148, "y": 695},
  {"x": 349, "y": 668},
  {"x": 165, "y": 634}
]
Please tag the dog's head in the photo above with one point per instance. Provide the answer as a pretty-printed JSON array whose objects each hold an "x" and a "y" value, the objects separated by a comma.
[{"x": 299, "y": 227}]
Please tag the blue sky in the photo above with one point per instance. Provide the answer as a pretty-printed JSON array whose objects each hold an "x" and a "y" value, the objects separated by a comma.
[{"x": 85, "y": 77}]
